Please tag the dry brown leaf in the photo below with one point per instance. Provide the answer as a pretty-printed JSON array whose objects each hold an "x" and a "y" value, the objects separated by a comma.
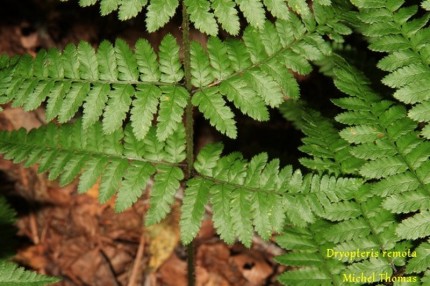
[
  {"x": 163, "y": 238},
  {"x": 254, "y": 267}
]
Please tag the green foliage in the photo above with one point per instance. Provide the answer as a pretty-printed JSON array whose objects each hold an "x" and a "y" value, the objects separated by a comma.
[
  {"x": 244, "y": 194},
  {"x": 119, "y": 160},
  {"x": 125, "y": 120},
  {"x": 108, "y": 83},
  {"x": 402, "y": 33},
  {"x": 329, "y": 152},
  {"x": 11, "y": 274}
]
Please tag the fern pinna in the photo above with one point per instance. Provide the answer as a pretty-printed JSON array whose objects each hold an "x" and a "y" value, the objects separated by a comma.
[
  {"x": 124, "y": 115},
  {"x": 10, "y": 273}
]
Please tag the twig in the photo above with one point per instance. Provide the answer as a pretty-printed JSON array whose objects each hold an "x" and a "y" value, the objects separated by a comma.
[{"x": 136, "y": 266}]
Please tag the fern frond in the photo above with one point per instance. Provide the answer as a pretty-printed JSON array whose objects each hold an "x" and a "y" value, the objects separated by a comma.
[
  {"x": 308, "y": 246},
  {"x": 415, "y": 227},
  {"x": 107, "y": 82},
  {"x": 159, "y": 13},
  {"x": 421, "y": 262},
  {"x": 205, "y": 14},
  {"x": 172, "y": 105},
  {"x": 393, "y": 152},
  {"x": 403, "y": 34},
  {"x": 193, "y": 208},
  {"x": 201, "y": 16},
  {"x": 11, "y": 274},
  {"x": 167, "y": 182},
  {"x": 387, "y": 140},
  {"x": 243, "y": 194},
  {"x": 126, "y": 9},
  {"x": 252, "y": 73},
  {"x": 121, "y": 161},
  {"x": 368, "y": 228},
  {"x": 227, "y": 15},
  {"x": 329, "y": 152},
  {"x": 333, "y": 18},
  {"x": 213, "y": 107}
]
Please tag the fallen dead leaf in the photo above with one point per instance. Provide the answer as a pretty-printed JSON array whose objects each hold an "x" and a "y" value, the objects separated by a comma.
[{"x": 253, "y": 266}]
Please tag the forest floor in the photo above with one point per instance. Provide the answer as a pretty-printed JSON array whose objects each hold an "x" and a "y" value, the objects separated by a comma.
[{"x": 74, "y": 237}]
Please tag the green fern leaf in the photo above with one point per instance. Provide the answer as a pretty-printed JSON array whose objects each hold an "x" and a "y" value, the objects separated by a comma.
[
  {"x": 55, "y": 100},
  {"x": 117, "y": 107},
  {"x": 360, "y": 134},
  {"x": 245, "y": 99},
  {"x": 147, "y": 61},
  {"x": 11, "y": 275},
  {"x": 39, "y": 94},
  {"x": 126, "y": 61},
  {"x": 420, "y": 112},
  {"x": 144, "y": 108},
  {"x": 26, "y": 88},
  {"x": 284, "y": 78},
  {"x": 72, "y": 169},
  {"x": 415, "y": 227},
  {"x": 207, "y": 158},
  {"x": 39, "y": 65},
  {"x": 70, "y": 64},
  {"x": 200, "y": 70},
  {"x": 94, "y": 104},
  {"x": 212, "y": 105},
  {"x": 422, "y": 260},
  {"x": 383, "y": 167},
  {"x": 133, "y": 184},
  {"x": 108, "y": 6},
  {"x": 220, "y": 198},
  {"x": 88, "y": 66},
  {"x": 107, "y": 62},
  {"x": 170, "y": 65},
  {"x": 267, "y": 88},
  {"x": 193, "y": 208},
  {"x": 238, "y": 56},
  {"x": 227, "y": 16},
  {"x": 241, "y": 216},
  {"x": 299, "y": 259},
  {"x": 130, "y": 9},
  {"x": 166, "y": 184},
  {"x": 159, "y": 13},
  {"x": 174, "y": 150},
  {"x": 270, "y": 36},
  {"x": 111, "y": 179},
  {"x": 152, "y": 147},
  {"x": 368, "y": 267},
  {"x": 277, "y": 8},
  {"x": 203, "y": 19},
  {"x": 93, "y": 170},
  {"x": 254, "y": 44},
  {"x": 57, "y": 165},
  {"x": 348, "y": 230},
  {"x": 407, "y": 202},
  {"x": 172, "y": 104},
  {"x": 406, "y": 75},
  {"x": 425, "y": 132},
  {"x": 219, "y": 61},
  {"x": 253, "y": 11},
  {"x": 310, "y": 276},
  {"x": 72, "y": 101},
  {"x": 85, "y": 3},
  {"x": 262, "y": 210}
]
